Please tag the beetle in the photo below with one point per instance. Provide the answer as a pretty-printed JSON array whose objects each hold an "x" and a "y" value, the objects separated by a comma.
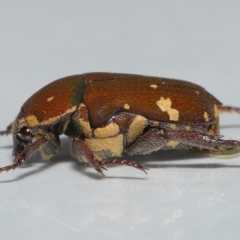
[{"x": 106, "y": 114}]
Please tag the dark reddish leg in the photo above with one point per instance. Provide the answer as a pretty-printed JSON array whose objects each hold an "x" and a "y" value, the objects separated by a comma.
[
  {"x": 201, "y": 141},
  {"x": 100, "y": 165},
  {"x": 156, "y": 139},
  {"x": 21, "y": 157},
  {"x": 151, "y": 141}
]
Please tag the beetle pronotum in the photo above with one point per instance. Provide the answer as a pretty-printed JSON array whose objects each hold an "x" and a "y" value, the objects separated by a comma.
[{"x": 106, "y": 114}]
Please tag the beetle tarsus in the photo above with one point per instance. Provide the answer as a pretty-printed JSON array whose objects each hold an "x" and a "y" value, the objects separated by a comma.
[
  {"x": 10, "y": 167},
  {"x": 122, "y": 162}
]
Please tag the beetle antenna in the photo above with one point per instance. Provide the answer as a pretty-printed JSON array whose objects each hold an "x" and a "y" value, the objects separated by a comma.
[
  {"x": 8, "y": 130},
  {"x": 229, "y": 109}
]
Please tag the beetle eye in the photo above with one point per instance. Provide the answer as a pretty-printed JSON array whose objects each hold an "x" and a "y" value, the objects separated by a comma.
[{"x": 24, "y": 135}]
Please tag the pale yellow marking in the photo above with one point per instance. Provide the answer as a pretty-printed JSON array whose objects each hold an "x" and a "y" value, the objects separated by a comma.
[
  {"x": 174, "y": 114},
  {"x": 112, "y": 144},
  {"x": 136, "y": 128},
  {"x": 50, "y": 99},
  {"x": 44, "y": 155},
  {"x": 188, "y": 128},
  {"x": 126, "y": 106},
  {"x": 154, "y": 123},
  {"x": 211, "y": 132},
  {"x": 173, "y": 126},
  {"x": 216, "y": 111},
  {"x": 154, "y": 86},
  {"x": 165, "y": 106},
  {"x": 21, "y": 121},
  {"x": 54, "y": 119},
  {"x": 85, "y": 125},
  {"x": 84, "y": 158},
  {"x": 112, "y": 129},
  {"x": 32, "y": 121},
  {"x": 65, "y": 126},
  {"x": 86, "y": 129},
  {"x": 197, "y": 92},
  {"x": 172, "y": 144},
  {"x": 206, "y": 117}
]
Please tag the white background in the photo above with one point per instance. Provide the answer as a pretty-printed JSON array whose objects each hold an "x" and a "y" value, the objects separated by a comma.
[{"x": 186, "y": 195}]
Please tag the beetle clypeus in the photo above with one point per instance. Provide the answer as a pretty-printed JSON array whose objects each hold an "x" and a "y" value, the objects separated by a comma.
[{"x": 106, "y": 114}]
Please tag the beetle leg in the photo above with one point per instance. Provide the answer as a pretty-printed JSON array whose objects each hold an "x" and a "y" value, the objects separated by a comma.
[
  {"x": 122, "y": 162},
  {"x": 20, "y": 158},
  {"x": 8, "y": 130},
  {"x": 155, "y": 139},
  {"x": 149, "y": 142},
  {"x": 202, "y": 141},
  {"x": 79, "y": 145}
]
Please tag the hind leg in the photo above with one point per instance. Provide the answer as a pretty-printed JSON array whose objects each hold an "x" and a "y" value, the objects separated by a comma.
[{"x": 156, "y": 139}]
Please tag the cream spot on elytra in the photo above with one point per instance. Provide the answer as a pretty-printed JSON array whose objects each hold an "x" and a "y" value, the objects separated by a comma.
[
  {"x": 50, "y": 99},
  {"x": 126, "y": 106},
  {"x": 32, "y": 121},
  {"x": 154, "y": 86},
  {"x": 165, "y": 106}
]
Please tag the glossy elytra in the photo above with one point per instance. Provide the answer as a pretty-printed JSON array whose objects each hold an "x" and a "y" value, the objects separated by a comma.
[{"x": 106, "y": 114}]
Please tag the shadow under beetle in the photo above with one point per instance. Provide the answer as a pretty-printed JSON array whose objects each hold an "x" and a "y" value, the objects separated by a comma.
[{"x": 106, "y": 114}]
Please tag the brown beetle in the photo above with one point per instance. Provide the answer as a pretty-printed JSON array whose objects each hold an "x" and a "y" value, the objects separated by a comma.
[{"x": 106, "y": 114}]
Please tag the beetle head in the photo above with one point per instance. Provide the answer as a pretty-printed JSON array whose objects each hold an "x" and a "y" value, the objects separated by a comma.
[
  {"x": 28, "y": 139},
  {"x": 26, "y": 134}
]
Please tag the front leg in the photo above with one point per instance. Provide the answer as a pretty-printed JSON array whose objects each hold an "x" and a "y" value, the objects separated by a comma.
[{"x": 81, "y": 151}]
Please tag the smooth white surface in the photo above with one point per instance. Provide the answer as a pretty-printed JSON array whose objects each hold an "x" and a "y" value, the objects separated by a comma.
[{"x": 186, "y": 195}]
